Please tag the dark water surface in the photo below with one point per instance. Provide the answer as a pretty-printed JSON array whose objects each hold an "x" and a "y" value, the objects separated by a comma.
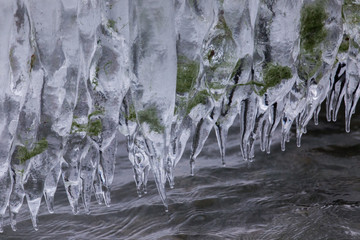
[{"x": 312, "y": 192}]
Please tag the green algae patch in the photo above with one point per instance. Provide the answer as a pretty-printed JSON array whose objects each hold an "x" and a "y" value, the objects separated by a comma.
[
  {"x": 236, "y": 68},
  {"x": 93, "y": 127},
  {"x": 32, "y": 61},
  {"x": 312, "y": 34},
  {"x": 273, "y": 75},
  {"x": 216, "y": 85},
  {"x": 221, "y": 39},
  {"x": 350, "y": 12},
  {"x": 107, "y": 67},
  {"x": 77, "y": 127},
  {"x": 222, "y": 25},
  {"x": 111, "y": 24},
  {"x": 150, "y": 116},
  {"x": 354, "y": 44},
  {"x": 199, "y": 98},
  {"x": 312, "y": 31},
  {"x": 131, "y": 116},
  {"x": 344, "y": 46},
  {"x": 187, "y": 72},
  {"x": 12, "y": 60},
  {"x": 180, "y": 104},
  {"x": 210, "y": 55},
  {"x": 95, "y": 81},
  {"x": 309, "y": 64},
  {"x": 24, "y": 154},
  {"x": 98, "y": 111}
]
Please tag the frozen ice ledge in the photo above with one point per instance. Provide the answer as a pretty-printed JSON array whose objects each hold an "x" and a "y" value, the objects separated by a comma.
[{"x": 74, "y": 74}]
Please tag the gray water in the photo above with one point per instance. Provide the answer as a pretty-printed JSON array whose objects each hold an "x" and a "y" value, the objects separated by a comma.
[{"x": 312, "y": 192}]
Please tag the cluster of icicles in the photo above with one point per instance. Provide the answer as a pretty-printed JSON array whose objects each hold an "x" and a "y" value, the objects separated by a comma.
[{"x": 76, "y": 73}]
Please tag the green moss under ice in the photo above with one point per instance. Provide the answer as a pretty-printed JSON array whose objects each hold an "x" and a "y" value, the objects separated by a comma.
[
  {"x": 111, "y": 24},
  {"x": 107, "y": 66},
  {"x": 131, "y": 114},
  {"x": 350, "y": 12},
  {"x": 32, "y": 61},
  {"x": 199, "y": 98},
  {"x": 150, "y": 116},
  {"x": 95, "y": 81},
  {"x": 24, "y": 154},
  {"x": 187, "y": 72},
  {"x": 312, "y": 31},
  {"x": 93, "y": 127},
  {"x": 273, "y": 75},
  {"x": 344, "y": 46},
  {"x": 98, "y": 111},
  {"x": 309, "y": 64},
  {"x": 236, "y": 68}
]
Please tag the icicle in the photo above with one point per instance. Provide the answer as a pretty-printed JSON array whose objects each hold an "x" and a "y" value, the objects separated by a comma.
[
  {"x": 16, "y": 197},
  {"x": 298, "y": 131},
  {"x": 153, "y": 67},
  {"x": 57, "y": 94},
  {"x": 275, "y": 115},
  {"x": 194, "y": 17},
  {"x": 221, "y": 135},
  {"x": 110, "y": 85},
  {"x": 99, "y": 194},
  {"x": 14, "y": 82},
  {"x": 316, "y": 115},
  {"x": 248, "y": 111},
  {"x": 1, "y": 223},
  {"x": 88, "y": 163},
  {"x": 350, "y": 46},
  {"x": 177, "y": 146},
  {"x": 140, "y": 161},
  {"x": 158, "y": 169},
  {"x": 70, "y": 170},
  {"x": 5, "y": 190},
  {"x": 34, "y": 205},
  {"x": 107, "y": 161},
  {"x": 218, "y": 59},
  {"x": 352, "y": 91},
  {"x": 229, "y": 111},
  {"x": 338, "y": 90},
  {"x": 50, "y": 187},
  {"x": 261, "y": 123},
  {"x": 241, "y": 72},
  {"x": 138, "y": 155},
  {"x": 34, "y": 186},
  {"x": 202, "y": 132}
]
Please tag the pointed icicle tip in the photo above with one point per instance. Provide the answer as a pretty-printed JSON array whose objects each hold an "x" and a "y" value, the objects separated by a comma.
[
  {"x": 34, "y": 222},
  {"x": 1, "y": 223},
  {"x": 75, "y": 209},
  {"x": 13, "y": 221},
  {"x": 192, "y": 167},
  {"x": 49, "y": 203},
  {"x": 107, "y": 198}
]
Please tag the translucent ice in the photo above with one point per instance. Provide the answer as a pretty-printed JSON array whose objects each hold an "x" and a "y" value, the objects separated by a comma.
[{"x": 76, "y": 74}]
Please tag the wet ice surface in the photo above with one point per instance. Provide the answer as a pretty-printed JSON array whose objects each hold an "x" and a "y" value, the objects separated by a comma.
[{"x": 310, "y": 192}]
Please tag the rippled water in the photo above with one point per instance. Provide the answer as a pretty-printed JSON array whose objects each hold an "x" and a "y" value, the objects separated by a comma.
[{"x": 312, "y": 192}]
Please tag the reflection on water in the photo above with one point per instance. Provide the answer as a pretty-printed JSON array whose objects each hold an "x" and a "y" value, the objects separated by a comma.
[{"x": 307, "y": 193}]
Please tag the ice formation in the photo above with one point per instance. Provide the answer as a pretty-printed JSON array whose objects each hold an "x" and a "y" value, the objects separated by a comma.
[{"x": 74, "y": 73}]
